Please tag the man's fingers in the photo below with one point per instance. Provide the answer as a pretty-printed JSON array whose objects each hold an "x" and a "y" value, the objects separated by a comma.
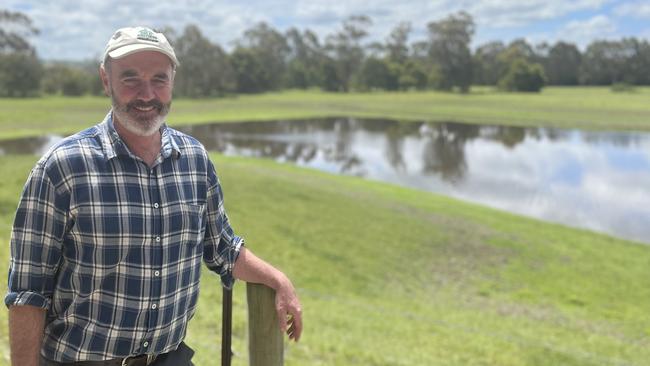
[
  {"x": 289, "y": 312},
  {"x": 290, "y": 323},
  {"x": 296, "y": 324},
  {"x": 291, "y": 331},
  {"x": 294, "y": 331}
]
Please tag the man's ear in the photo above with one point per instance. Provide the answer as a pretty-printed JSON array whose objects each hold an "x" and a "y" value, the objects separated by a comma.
[{"x": 104, "y": 76}]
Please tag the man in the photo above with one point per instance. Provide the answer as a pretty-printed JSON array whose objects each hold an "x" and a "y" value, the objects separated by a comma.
[{"x": 113, "y": 225}]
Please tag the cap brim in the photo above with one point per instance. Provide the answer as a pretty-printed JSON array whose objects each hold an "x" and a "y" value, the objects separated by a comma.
[{"x": 133, "y": 48}]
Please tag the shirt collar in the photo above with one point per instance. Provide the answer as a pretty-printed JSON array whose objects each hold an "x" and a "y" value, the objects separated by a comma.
[
  {"x": 114, "y": 145},
  {"x": 169, "y": 146}
]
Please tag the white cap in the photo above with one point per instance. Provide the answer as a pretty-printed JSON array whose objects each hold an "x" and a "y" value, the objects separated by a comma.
[{"x": 126, "y": 41}]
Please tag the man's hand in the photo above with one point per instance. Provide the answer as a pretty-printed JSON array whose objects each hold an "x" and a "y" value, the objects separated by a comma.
[
  {"x": 289, "y": 311},
  {"x": 250, "y": 268}
]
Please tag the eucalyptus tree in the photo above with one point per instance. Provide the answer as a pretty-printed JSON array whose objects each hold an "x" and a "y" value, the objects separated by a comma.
[
  {"x": 397, "y": 47},
  {"x": 603, "y": 63},
  {"x": 449, "y": 51},
  {"x": 346, "y": 48},
  {"x": 250, "y": 74},
  {"x": 488, "y": 66},
  {"x": 306, "y": 57},
  {"x": 562, "y": 65},
  {"x": 271, "y": 49},
  {"x": 377, "y": 73},
  {"x": 15, "y": 28},
  {"x": 20, "y": 69},
  {"x": 638, "y": 62},
  {"x": 205, "y": 69}
]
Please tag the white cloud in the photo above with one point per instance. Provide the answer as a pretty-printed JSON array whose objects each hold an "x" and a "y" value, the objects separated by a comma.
[
  {"x": 638, "y": 9},
  {"x": 514, "y": 13},
  {"x": 79, "y": 29},
  {"x": 583, "y": 32}
]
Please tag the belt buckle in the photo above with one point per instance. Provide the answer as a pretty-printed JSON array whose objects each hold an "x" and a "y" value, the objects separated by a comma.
[{"x": 150, "y": 359}]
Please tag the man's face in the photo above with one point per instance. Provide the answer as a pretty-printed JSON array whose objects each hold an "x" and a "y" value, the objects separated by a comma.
[{"x": 140, "y": 87}]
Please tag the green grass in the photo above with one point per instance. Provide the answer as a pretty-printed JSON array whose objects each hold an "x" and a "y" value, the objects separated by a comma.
[
  {"x": 393, "y": 276},
  {"x": 571, "y": 107}
]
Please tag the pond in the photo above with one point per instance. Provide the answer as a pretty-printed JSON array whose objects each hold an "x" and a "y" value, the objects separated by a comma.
[{"x": 593, "y": 180}]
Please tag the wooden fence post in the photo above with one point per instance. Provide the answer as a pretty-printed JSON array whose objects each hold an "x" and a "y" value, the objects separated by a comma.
[{"x": 265, "y": 340}]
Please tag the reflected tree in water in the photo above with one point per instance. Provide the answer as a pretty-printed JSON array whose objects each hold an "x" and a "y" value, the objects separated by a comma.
[
  {"x": 444, "y": 151},
  {"x": 510, "y": 136},
  {"x": 616, "y": 139},
  {"x": 342, "y": 152},
  {"x": 394, "y": 147},
  {"x": 555, "y": 134}
]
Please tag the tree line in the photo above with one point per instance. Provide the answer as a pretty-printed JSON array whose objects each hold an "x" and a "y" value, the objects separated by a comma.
[{"x": 266, "y": 59}]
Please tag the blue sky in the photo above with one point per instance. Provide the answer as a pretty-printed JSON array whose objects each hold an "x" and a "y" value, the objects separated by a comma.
[{"x": 78, "y": 29}]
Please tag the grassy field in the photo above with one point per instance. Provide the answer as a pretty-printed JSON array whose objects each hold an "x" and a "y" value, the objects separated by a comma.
[
  {"x": 593, "y": 108},
  {"x": 392, "y": 276}
]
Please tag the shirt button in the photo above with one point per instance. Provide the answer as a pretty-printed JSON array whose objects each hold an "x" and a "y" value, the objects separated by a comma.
[
  {"x": 145, "y": 344},
  {"x": 157, "y": 239},
  {"x": 154, "y": 306},
  {"x": 156, "y": 273},
  {"x": 155, "y": 205}
]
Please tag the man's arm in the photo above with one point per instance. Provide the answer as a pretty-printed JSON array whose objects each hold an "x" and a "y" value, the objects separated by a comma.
[
  {"x": 26, "y": 324},
  {"x": 250, "y": 268}
]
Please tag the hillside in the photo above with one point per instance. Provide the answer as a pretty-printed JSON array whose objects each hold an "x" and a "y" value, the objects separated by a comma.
[{"x": 392, "y": 276}]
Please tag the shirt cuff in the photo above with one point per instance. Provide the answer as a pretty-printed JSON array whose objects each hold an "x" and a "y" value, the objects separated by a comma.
[
  {"x": 27, "y": 298},
  {"x": 227, "y": 278}
]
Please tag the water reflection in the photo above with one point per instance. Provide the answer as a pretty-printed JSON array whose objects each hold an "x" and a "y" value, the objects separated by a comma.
[{"x": 595, "y": 180}]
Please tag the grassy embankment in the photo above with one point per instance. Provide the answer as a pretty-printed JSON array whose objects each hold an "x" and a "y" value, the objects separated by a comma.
[
  {"x": 392, "y": 276},
  {"x": 595, "y": 108}
]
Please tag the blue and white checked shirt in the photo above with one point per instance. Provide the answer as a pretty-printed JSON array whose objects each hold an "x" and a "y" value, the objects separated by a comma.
[{"x": 112, "y": 248}]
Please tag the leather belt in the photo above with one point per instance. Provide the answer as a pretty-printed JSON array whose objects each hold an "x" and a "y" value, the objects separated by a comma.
[{"x": 141, "y": 360}]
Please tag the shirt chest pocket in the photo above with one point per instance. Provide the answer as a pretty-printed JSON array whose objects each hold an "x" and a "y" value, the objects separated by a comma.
[{"x": 185, "y": 223}]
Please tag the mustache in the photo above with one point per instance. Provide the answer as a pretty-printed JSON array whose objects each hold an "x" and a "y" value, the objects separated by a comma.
[{"x": 141, "y": 104}]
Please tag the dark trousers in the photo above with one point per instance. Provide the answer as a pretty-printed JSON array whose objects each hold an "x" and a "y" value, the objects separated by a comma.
[{"x": 182, "y": 356}]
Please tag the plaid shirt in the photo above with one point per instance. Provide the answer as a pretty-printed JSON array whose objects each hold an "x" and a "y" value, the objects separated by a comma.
[{"x": 112, "y": 248}]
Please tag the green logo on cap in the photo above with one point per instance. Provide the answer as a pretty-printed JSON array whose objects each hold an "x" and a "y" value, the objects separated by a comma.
[{"x": 147, "y": 35}]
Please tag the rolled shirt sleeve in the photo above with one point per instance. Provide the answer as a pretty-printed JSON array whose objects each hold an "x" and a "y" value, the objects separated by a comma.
[
  {"x": 221, "y": 245},
  {"x": 36, "y": 238}
]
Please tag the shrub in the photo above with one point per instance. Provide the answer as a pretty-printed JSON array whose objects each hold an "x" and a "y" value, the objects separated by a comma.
[
  {"x": 523, "y": 76},
  {"x": 622, "y": 88}
]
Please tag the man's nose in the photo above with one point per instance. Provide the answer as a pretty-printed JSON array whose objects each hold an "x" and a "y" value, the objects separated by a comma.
[{"x": 146, "y": 91}]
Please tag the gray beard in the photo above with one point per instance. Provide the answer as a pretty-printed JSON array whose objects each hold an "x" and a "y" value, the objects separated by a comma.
[{"x": 135, "y": 125}]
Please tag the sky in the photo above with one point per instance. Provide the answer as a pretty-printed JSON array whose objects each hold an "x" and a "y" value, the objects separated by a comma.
[{"x": 78, "y": 30}]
